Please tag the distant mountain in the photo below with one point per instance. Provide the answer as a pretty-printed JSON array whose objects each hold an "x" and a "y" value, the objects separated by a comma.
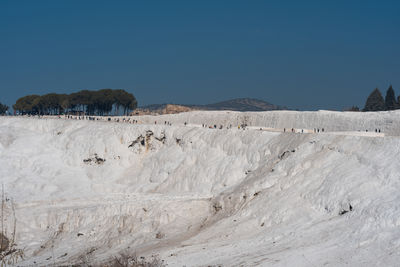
[
  {"x": 243, "y": 104},
  {"x": 238, "y": 104}
]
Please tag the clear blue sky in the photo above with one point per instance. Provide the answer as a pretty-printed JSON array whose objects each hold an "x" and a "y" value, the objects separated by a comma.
[{"x": 302, "y": 54}]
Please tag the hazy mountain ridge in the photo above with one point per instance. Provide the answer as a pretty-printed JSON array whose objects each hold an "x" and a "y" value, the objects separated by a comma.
[{"x": 237, "y": 104}]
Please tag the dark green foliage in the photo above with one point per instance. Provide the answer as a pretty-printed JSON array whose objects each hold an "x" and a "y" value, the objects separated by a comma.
[
  {"x": 390, "y": 99},
  {"x": 86, "y": 102},
  {"x": 3, "y": 109},
  {"x": 104, "y": 100},
  {"x": 125, "y": 100},
  {"x": 375, "y": 101},
  {"x": 27, "y": 104},
  {"x": 398, "y": 102}
]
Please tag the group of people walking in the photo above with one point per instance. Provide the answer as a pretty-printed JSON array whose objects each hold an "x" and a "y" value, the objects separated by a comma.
[
  {"x": 92, "y": 118},
  {"x": 131, "y": 120},
  {"x": 215, "y": 126}
]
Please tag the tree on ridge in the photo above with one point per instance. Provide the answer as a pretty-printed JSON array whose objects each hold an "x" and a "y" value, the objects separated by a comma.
[
  {"x": 100, "y": 102},
  {"x": 3, "y": 109},
  {"x": 390, "y": 99},
  {"x": 375, "y": 101}
]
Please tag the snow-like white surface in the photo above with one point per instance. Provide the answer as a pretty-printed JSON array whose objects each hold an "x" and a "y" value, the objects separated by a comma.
[
  {"x": 331, "y": 121},
  {"x": 205, "y": 196}
]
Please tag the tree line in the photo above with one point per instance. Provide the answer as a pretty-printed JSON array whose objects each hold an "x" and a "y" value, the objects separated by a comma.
[
  {"x": 104, "y": 101},
  {"x": 376, "y": 102},
  {"x": 101, "y": 102}
]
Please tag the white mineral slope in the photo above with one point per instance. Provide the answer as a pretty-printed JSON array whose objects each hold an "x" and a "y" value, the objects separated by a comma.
[
  {"x": 387, "y": 121},
  {"x": 197, "y": 196}
]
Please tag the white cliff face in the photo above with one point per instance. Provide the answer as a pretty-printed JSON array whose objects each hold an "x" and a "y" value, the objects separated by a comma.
[
  {"x": 87, "y": 190},
  {"x": 331, "y": 121}
]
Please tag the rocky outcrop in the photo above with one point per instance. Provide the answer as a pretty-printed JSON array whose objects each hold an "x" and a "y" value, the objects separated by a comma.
[{"x": 163, "y": 109}]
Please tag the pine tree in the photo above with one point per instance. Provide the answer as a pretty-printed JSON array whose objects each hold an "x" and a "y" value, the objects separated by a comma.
[
  {"x": 390, "y": 99},
  {"x": 398, "y": 102},
  {"x": 375, "y": 101}
]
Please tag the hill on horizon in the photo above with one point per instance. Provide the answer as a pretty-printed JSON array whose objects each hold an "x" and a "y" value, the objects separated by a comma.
[{"x": 237, "y": 104}]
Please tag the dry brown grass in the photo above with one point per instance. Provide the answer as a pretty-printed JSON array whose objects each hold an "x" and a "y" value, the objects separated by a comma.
[{"x": 9, "y": 253}]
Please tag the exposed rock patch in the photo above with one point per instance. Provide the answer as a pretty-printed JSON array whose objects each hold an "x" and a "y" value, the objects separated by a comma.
[
  {"x": 146, "y": 141},
  {"x": 95, "y": 159}
]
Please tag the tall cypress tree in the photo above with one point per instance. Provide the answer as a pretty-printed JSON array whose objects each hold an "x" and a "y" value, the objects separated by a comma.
[
  {"x": 390, "y": 99},
  {"x": 398, "y": 102},
  {"x": 375, "y": 101}
]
